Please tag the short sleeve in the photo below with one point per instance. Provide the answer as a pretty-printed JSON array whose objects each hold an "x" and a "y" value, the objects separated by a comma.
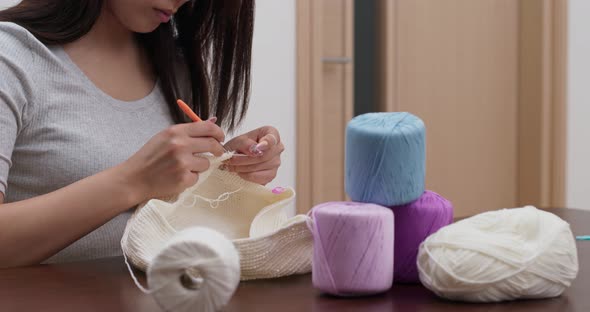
[
  {"x": 10, "y": 123},
  {"x": 15, "y": 87}
]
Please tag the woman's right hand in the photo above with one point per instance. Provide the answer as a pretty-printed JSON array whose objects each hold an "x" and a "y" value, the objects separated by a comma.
[{"x": 166, "y": 165}]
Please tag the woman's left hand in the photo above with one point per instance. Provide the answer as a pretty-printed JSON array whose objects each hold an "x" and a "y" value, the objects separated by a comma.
[{"x": 263, "y": 148}]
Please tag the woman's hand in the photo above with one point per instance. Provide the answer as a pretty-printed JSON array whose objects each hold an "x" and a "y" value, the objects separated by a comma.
[
  {"x": 263, "y": 148},
  {"x": 166, "y": 165}
]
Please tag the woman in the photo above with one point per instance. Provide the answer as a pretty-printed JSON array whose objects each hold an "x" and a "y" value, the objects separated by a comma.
[{"x": 89, "y": 127}]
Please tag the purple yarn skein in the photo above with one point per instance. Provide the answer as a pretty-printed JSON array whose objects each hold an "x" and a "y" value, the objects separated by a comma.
[
  {"x": 353, "y": 248},
  {"x": 414, "y": 222}
]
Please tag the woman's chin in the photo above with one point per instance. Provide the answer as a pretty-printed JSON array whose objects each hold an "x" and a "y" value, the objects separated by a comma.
[
  {"x": 147, "y": 29},
  {"x": 143, "y": 28}
]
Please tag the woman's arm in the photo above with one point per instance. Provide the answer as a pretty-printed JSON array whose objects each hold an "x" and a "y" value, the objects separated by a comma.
[{"x": 34, "y": 229}]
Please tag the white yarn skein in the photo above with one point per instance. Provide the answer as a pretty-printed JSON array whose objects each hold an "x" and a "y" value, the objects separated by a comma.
[
  {"x": 520, "y": 253},
  {"x": 197, "y": 270}
]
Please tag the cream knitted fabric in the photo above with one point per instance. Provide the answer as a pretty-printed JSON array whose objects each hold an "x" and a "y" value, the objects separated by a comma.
[{"x": 269, "y": 243}]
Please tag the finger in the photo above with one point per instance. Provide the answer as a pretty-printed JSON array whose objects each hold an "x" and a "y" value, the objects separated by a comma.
[
  {"x": 241, "y": 144},
  {"x": 268, "y": 137},
  {"x": 259, "y": 177},
  {"x": 203, "y": 129},
  {"x": 252, "y": 160},
  {"x": 267, "y": 165},
  {"x": 267, "y": 142},
  {"x": 205, "y": 145},
  {"x": 190, "y": 178},
  {"x": 199, "y": 164}
]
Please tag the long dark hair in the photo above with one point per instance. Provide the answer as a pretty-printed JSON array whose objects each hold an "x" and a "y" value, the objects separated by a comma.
[{"x": 212, "y": 38}]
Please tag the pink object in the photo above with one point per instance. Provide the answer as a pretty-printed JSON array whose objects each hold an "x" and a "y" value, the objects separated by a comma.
[
  {"x": 353, "y": 248},
  {"x": 278, "y": 190},
  {"x": 254, "y": 149}
]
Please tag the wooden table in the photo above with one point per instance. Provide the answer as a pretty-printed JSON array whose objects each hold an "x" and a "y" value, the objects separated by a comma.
[{"x": 105, "y": 285}]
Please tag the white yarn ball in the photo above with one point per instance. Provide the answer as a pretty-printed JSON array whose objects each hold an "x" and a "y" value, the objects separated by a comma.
[
  {"x": 500, "y": 255},
  {"x": 197, "y": 270}
]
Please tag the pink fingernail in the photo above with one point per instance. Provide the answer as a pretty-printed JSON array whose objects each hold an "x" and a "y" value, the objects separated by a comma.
[
  {"x": 278, "y": 190},
  {"x": 262, "y": 146},
  {"x": 212, "y": 119},
  {"x": 255, "y": 150}
]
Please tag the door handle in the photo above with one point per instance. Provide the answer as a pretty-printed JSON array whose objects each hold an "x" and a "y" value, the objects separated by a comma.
[{"x": 336, "y": 60}]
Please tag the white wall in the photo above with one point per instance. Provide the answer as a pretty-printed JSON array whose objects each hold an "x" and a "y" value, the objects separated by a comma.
[
  {"x": 7, "y": 3},
  {"x": 578, "y": 116},
  {"x": 273, "y": 79}
]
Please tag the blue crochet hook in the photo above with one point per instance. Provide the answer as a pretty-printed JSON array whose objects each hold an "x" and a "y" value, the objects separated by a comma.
[{"x": 583, "y": 237}]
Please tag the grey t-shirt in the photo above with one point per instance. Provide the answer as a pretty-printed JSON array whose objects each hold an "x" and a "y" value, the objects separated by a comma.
[{"x": 57, "y": 127}]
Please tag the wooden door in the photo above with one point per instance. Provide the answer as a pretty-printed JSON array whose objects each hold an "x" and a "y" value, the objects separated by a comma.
[
  {"x": 479, "y": 73},
  {"x": 325, "y": 93},
  {"x": 457, "y": 70}
]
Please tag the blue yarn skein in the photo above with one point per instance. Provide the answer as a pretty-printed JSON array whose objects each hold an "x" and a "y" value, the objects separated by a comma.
[{"x": 385, "y": 158}]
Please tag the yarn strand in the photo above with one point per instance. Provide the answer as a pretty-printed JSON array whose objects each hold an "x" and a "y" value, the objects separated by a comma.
[
  {"x": 213, "y": 203},
  {"x": 137, "y": 283}
]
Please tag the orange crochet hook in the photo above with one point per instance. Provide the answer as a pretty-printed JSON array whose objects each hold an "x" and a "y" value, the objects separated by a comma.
[
  {"x": 194, "y": 117},
  {"x": 188, "y": 111}
]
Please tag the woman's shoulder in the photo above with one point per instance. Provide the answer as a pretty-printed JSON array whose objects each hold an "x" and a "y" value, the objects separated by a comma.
[
  {"x": 18, "y": 46},
  {"x": 19, "y": 64},
  {"x": 14, "y": 37}
]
